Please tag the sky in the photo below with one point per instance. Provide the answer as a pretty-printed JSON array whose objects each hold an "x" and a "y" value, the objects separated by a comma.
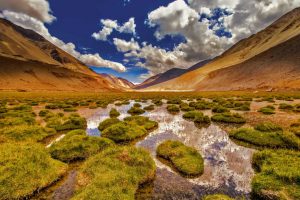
[{"x": 136, "y": 39}]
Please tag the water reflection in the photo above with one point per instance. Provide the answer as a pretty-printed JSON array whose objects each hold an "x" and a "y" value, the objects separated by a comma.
[{"x": 227, "y": 166}]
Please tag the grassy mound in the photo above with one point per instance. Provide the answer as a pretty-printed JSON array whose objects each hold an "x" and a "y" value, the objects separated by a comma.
[
  {"x": 185, "y": 159},
  {"x": 26, "y": 132},
  {"x": 197, "y": 117},
  {"x": 201, "y": 105},
  {"x": 142, "y": 121},
  {"x": 124, "y": 132},
  {"x": 228, "y": 118},
  {"x": 76, "y": 145},
  {"x": 268, "y": 110},
  {"x": 149, "y": 108},
  {"x": 107, "y": 123},
  {"x": 173, "y": 109},
  {"x": 185, "y": 107},
  {"x": 136, "y": 110},
  {"x": 63, "y": 123},
  {"x": 220, "y": 109},
  {"x": 217, "y": 197},
  {"x": 115, "y": 173},
  {"x": 114, "y": 113},
  {"x": 266, "y": 135},
  {"x": 285, "y": 106},
  {"x": 277, "y": 176},
  {"x": 26, "y": 168}
]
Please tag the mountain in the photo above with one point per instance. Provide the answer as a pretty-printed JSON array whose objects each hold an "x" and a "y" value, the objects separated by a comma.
[
  {"x": 168, "y": 75},
  {"x": 268, "y": 60},
  {"x": 118, "y": 81},
  {"x": 29, "y": 62}
]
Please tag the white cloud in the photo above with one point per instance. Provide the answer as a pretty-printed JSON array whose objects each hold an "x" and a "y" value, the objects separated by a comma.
[
  {"x": 39, "y": 27},
  {"x": 124, "y": 46},
  {"x": 38, "y": 9},
  {"x": 110, "y": 25}
]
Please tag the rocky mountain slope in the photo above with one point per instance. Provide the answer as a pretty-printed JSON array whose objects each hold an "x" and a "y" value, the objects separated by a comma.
[
  {"x": 118, "y": 81},
  {"x": 30, "y": 62},
  {"x": 268, "y": 60}
]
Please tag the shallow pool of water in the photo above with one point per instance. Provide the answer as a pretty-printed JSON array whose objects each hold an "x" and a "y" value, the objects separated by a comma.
[{"x": 227, "y": 166}]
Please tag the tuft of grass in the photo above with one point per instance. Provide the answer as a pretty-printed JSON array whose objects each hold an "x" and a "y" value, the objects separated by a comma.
[
  {"x": 173, "y": 109},
  {"x": 123, "y": 132},
  {"x": 217, "y": 197},
  {"x": 267, "y": 127},
  {"x": 107, "y": 123},
  {"x": 76, "y": 145},
  {"x": 136, "y": 111},
  {"x": 228, "y": 118},
  {"x": 185, "y": 159},
  {"x": 277, "y": 174},
  {"x": 220, "y": 109},
  {"x": 267, "y": 110},
  {"x": 114, "y": 113},
  {"x": 174, "y": 101},
  {"x": 142, "y": 121},
  {"x": 61, "y": 123},
  {"x": 149, "y": 108},
  {"x": 185, "y": 107},
  {"x": 115, "y": 173},
  {"x": 285, "y": 106},
  {"x": 25, "y": 169},
  {"x": 197, "y": 117}
]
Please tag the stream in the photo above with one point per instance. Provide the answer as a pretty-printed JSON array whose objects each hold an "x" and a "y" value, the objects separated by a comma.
[{"x": 227, "y": 166}]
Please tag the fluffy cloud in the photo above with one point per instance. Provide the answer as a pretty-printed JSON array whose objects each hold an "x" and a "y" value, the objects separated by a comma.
[
  {"x": 108, "y": 26},
  {"x": 124, "y": 46},
  {"x": 39, "y": 27},
  {"x": 38, "y": 9}
]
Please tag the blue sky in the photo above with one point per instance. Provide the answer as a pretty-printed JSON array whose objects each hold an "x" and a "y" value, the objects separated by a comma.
[
  {"x": 82, "y": 19},
  {"x": 136, "y": 39}
]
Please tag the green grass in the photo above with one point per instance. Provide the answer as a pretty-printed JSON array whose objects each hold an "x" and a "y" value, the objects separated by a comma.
[
  {"x": 201, "y": 105},
  {"x": 76, "y": 145},
  {"x": 197, "y": 117},
  {"x": 114, "y": 113},
  {"x": 115, "y": 173},
  {"x": 27, "y": 132},
  {"x": 267, "y": 110},
  {"x": 266, "y": 135},
  {"x": 63, "y": 123},
  {"x": 217, "y": 197},
  {"x": 124, "y": 132},
  {"x": 185, "y": 107},
  {"x": 219, "y": 109},
  {"x": 26, "y": 168},
  {"x": 173, "y": 109},
  {"x": 185, "y": 159},
  {"x": 142, "y": 121},
  {"x": 136, "y": 110},
  {"x": 277, "y": 175},
  {"x": 233, "y": 118},
  {"x": 107, "y": 123},
  {"x": 285, "y": 106},
  {"x": 149, "y": 108}
]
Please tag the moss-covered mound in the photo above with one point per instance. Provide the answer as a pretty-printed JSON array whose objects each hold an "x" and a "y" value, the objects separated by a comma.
[
  {"x": 149, "y": 108},
  {"x": 219, "y": 109},
  {"x": 76, "y": 145},
  {"x": 173, "y": 109},
  {"x": 136, "y": 110},
  {"x": 114, "y": 113},
  {"x": 185, "y": 159},
  {"x": 64, "y": 123},
  {"x": 228, "y": 118},
  {"x": 266, "y": 135},
  {"x": 267, "y": 110},
  {"x": 124, "y": 132},
  {"x": 27, "y": 132},
  {"x": 115, "y": 173},
  {"x": 185, "y": 107},
  {"x": 277, "y": 175},
  {"x": 26, "y": 168},
  {"x": 197, "y": 117},
  {"x": 107, "y": 123},
  {"x": 142, "y": 121},
  {"x": 217, "y": 197}
]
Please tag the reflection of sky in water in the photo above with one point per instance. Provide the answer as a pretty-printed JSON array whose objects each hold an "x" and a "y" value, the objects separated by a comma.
[{"x": 226, "y": 164}]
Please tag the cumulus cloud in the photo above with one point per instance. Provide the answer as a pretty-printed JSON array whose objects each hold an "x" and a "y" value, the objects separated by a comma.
[
  {"x": 124, "y": 46},
  {"x": 108, "y": 26},
  {"x": 38, "y": 9},
  {"x": 36, "y": 25}
]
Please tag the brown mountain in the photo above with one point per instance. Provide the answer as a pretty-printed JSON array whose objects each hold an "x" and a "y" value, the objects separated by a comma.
[
  {"x": 29, "y": 62},
  {"x": 168, "y": 75},
  {"x": 268, "y": 60},
  {"x": 119, "y": 82}
]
